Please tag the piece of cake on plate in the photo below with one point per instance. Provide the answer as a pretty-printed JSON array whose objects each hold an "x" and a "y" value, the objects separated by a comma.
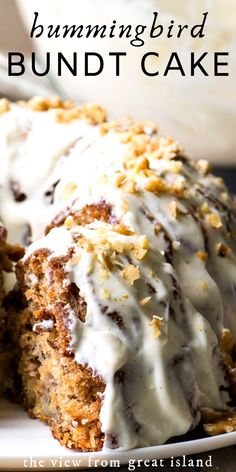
[{"x": 127, "y": 320}]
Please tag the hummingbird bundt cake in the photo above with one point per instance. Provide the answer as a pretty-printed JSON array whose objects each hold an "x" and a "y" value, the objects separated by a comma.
[{"x": 126, "y": 326}]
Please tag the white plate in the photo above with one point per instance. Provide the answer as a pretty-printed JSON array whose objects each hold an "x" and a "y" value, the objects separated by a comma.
[{"x": 23, "y": 439}]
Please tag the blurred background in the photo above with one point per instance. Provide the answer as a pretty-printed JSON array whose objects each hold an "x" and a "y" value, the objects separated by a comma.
[
  {"x": 12, "y": 32},
  {"x": 199, "y": 112}
]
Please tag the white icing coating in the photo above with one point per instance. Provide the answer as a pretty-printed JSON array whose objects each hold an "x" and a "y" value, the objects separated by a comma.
[{"x": 190, "y": 222}]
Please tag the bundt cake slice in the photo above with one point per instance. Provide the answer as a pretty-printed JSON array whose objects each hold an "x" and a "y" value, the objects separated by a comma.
[
  {"x": 8, "y": 255},
  {"x": 113, "y": 354},
  {"x": 58, "y": 159}
]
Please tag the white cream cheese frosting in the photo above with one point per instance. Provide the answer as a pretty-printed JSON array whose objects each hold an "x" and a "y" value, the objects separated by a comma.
[{"x": 172, "y": 287}]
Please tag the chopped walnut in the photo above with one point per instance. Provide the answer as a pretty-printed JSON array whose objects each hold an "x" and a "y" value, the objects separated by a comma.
[
  {"x": 157, "y": 228},
  {"x": 176, "y": 245},
  {"x": 178, "y": 188},
  {"x": 65, "y": 116},
  {"x": 130, "y": 273},
  {"x": 146, "y": 126},
  {"x": 56, "y": 102},
  {"x": 85, "y": 244},
  {"x": 141, "y": 164},
  {"x": 218, "y": 181},
  {"x": 204, "y": 208},
  {"x": 104, "y": 260},
  {"x": 175, "y": 211},
  {"x": 105, "y": 293},
  {"x": 104, "y": 274},
  {"x": 118, "y": 246},
  {"x": 222, "y": 250},
  {"x": 92, "y": 439},
  {"x": 225, "y": 196},
  {"x": 156, "y": 324},
  {"x": 130, "y": 163},
  {"x": 129, "y": 186},
  {"x": 106, "y": 127},
  {"x": 168, "y": 148},
  {"x": 122, "y": 229},
  {"x": 38, "y": 104},
  {"x": 203, "y": 166},
  {"x": 176, "y": 167},
  {"x": 126, "y": 129},
  {"x": 143, "y": 242},
  {"x": 75, "y": 260},
  {"x": 125, "y": 136},
  {"x": 119, "y": 179},
  {"x": 149, "y": 173},
  {"x": 227, "y": 342},
  {"x": 43, "y": 104},
  {"x": 140, "y": 142},
  {"x": 125, "y": 206},
  {"x": 4, "y": 105},
  {"x": 92, "y": 113},
  {"x": 69, "y": 222},
  {"x": 202, "y": 255},
  {"x": 214, "y": 220},
  {"x": 144, "y": 301},
  {"x": 157, "y": 185},
  {"x": 218, "y": 421},
  {"x": 139, "y": 253}
]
